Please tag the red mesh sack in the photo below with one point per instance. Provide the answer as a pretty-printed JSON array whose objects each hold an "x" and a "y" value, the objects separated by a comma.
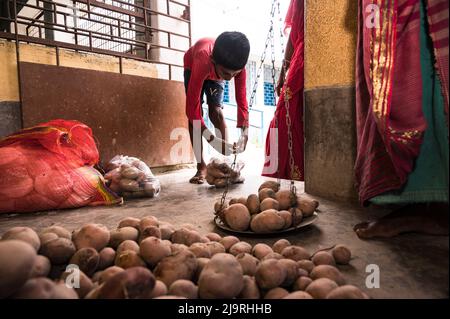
[{"x": 50, "y": 166}]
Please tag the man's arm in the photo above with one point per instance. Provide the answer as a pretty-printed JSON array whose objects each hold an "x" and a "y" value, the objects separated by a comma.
[
  {"x": 193, "y": 108},
  {"x": 240, "y": 82}
]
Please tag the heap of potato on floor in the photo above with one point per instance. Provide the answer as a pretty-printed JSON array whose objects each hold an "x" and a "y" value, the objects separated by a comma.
[
  {"x": 270, "y": 210},
  {"x": 148, "y": 258}
]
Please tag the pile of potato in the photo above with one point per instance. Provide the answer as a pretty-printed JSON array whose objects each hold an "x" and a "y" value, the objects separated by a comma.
[
  {"x": 270, "y": 210},
  {"x": 147, "y": 258},
  {"x": 218, "y": 169},
  {"x": 131, "y": 178}
]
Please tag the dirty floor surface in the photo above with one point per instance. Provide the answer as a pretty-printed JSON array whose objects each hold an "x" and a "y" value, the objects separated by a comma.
[{"x": 411, "y": 265}]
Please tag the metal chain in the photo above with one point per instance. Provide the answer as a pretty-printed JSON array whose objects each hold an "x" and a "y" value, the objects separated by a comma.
[
  {"x": 287, "y": 96},
  {"x": 263, "y": 56},
  {"x": 227, "y": 184}
]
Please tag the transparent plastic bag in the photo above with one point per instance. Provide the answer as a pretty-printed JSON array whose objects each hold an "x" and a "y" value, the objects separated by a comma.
[
  {"x": 218, "y": 169},
  {"x": 131, "y": 178}
]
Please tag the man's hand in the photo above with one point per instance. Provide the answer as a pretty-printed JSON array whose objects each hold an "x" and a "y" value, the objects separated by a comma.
[
  {"x": 222, "y": 146},
  {"x": 243, "y": 140}
]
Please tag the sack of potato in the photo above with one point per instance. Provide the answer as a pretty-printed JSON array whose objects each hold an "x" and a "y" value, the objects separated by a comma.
[
  {"x": 148, "y": 258},
  {"x": 131, "y": 178},
  {"x": 270, "y": 210},
  {"x": 218, "y": 169}
]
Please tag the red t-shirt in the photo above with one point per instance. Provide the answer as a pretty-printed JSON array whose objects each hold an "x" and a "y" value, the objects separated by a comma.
[{"x": 198, "y": 60}]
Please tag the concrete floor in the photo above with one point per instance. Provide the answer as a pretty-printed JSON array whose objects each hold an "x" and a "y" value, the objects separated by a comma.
[{"x": 411, "y": 265}]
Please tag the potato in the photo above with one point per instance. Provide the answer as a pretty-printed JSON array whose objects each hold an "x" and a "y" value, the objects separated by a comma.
[
  {"x": 265, "y": 193},
  {"x": 91, "y": 235},
  {"x": 181, "y": 265},
  {"x": 14, "y": 272},
  {"x": 242, "y": 200},
  {"x": 307, "y": 206},
  {"x": 327, "y": 271},
  {"x": 295, "y": 253},
  {"x": 237, "y": 217},
  {"x": 160, "y": 289},
  {"x": 150, "y": 231},
  {"x": 276, "y": 293},
  {"x": 301, "y": 283},
  {"x": 186, "y": 236},
  {"x": 229, "y": 241},
  {"x": 44, "y": 288},
  {"x": 240, "y": 247},
  {"x": 56, "y": 271},
  {"x": 323, "y": 258},
  {"x": 233, "y": 201},
  {"x": 347, "y": 292},
  {"x": 250, "y": 289},
  {"x": 270, "y": 274},
  {"x": 83, "y": 287},
  {"x": 166, "y": 231},
  {"x": 297, "y": 216},
  {"x": 248, "y": 263},
  {"x": 24, "y": 234},
  {"x": 267, "y": 221},
  {"x": 273, "y": 256},
  {"x": 58, "y": 250},
  {"x": 93, "y": 294},
  {"x": 269, "y": 203},
  {"x": 218, "y": 206},
  {"x": 96, "y": 276},
  {"x": 148, "y": 221},
  {"x": 87, "y": 260},
  {"x": 281, "y": 244},
  {"x": 174, "y": 248},
  {"x": 286, "y": 199},
  {"x": 201, "y": 263},
  {"x": 128, "y": 259},
  {"x": 153, "y": 250},
  {"x": 108, "y": 273},
  {"x": 188, "y": 226},
  {"x": 221, "y": 278},
  {"x": 184, "y": 288},
  {"x": 118, "y": 236},
  {"x": 129, "y": 222},
  {"x": 127, "y": 245},
  {"x": 298, "y": 295},
  {"x": 261, "y": 250},
  {"x": 106, "y": 258},
  {"x": 220, "y": 182},
  {"x": 291, "y": 268},
  {"x": 270, "y": 184},
  {"x": 253, "y": 204},
  {"x": 130, "y": 172},
  {"x": 169, "y": 297},
  {"x": 287, "y": 216},
  {"x": 214, "y": 237},
  {"x": 320, "y": 288},
  {"x": 58, "y": 231},
  {"x": 306, "y": 264},
  {"x": 41, "y": 267},
  {"x": 341, "y": 254},
  {"x": 302, "y": 272},
  {"x": 132, "y": 283},
  {"x": 200, "y": 250},
  {"x": 47, "y": 237},
  {"x": 215, "y": 248}
]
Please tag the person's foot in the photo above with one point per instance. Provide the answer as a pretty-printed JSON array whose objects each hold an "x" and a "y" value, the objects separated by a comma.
[
  {"x": 430, "y": 219},
  {"x": 199, "y": 177}
]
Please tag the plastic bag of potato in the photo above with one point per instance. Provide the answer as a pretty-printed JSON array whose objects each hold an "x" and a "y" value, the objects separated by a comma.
[
  {"x": 131, "y": 178},
  {"x": 218, "y": 169}
]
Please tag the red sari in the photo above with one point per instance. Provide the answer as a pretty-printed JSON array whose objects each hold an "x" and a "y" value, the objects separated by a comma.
[
  {"x": 293, "y": 88},
  {"x": 390, "y": 120}
]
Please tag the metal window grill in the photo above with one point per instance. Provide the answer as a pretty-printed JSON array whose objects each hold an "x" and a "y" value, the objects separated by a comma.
[{"x": 120, "y": 28}]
